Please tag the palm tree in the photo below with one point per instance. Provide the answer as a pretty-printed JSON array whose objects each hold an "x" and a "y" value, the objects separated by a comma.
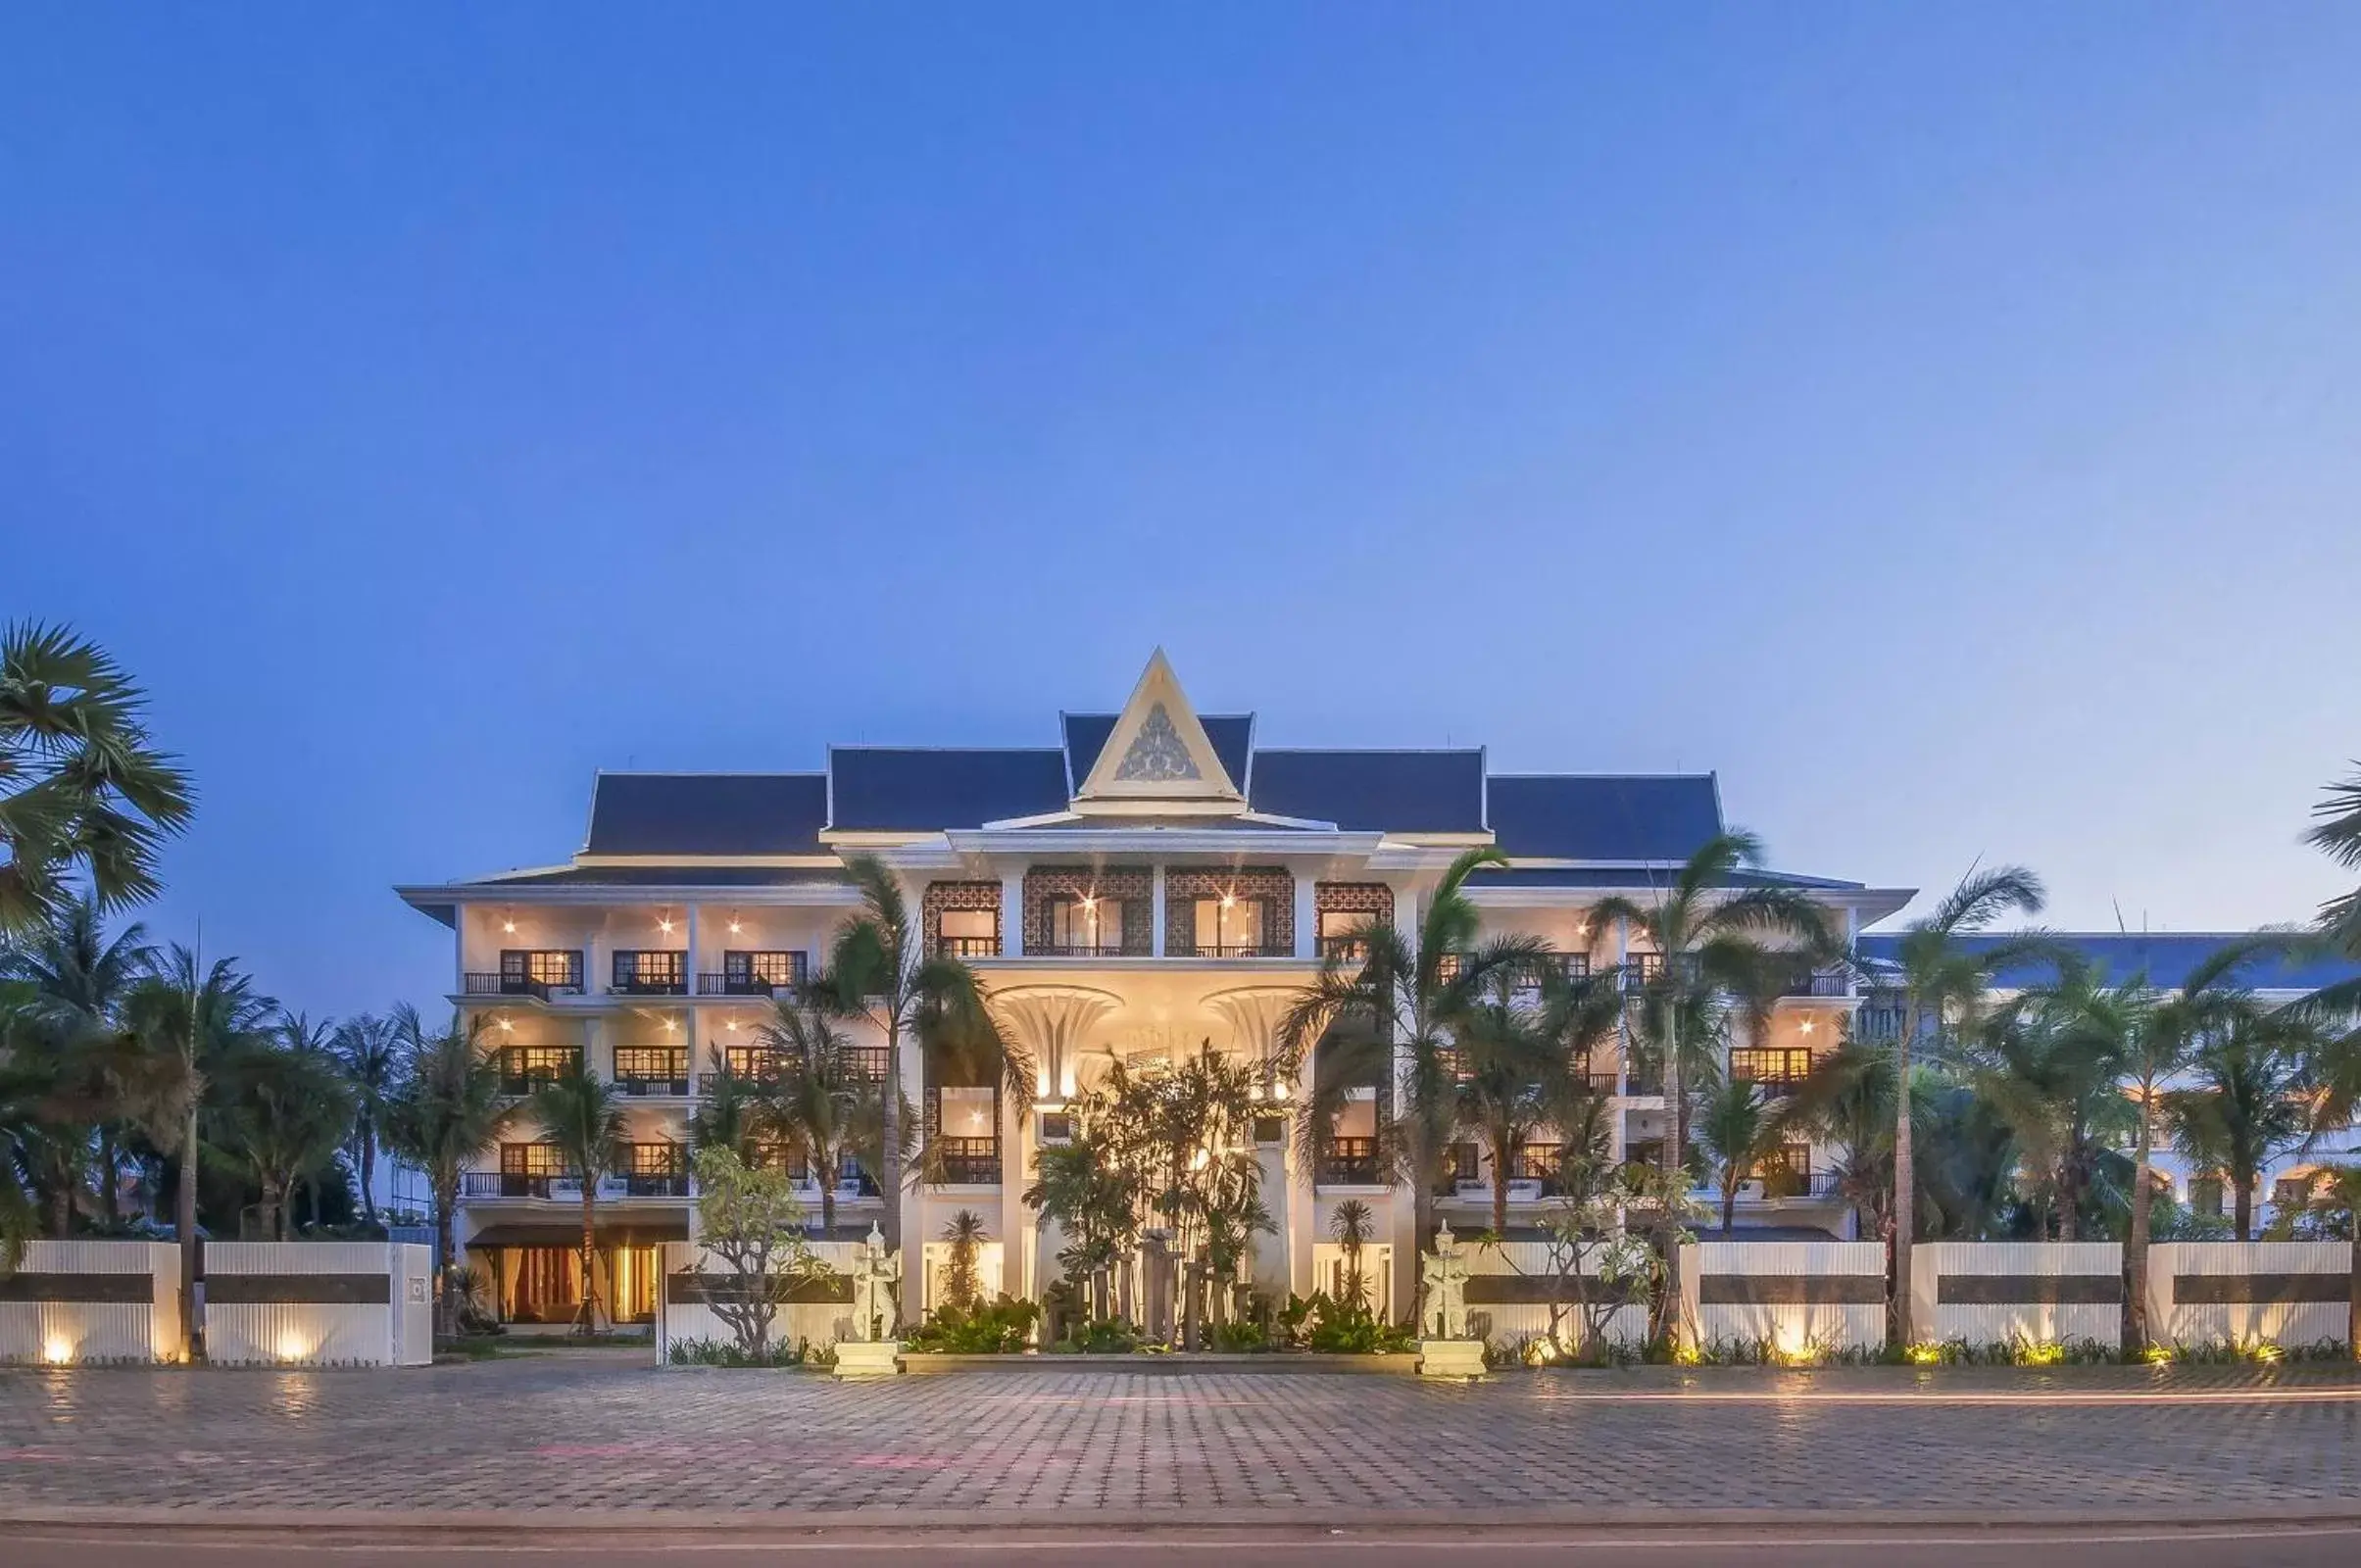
[
  {"x": 812, "y": 1103},
  {"x": 445, "y": 1109},
  {"x": 2052, "y": 1065},
  {"x": 2249, "y": 1102},
  {"x": 2336, "y": 1008},
  {"x": 728, "y": 1112},
  {"x": 582, "y": 1119},
  {"x": 187, "y": 1021},
  {"x": 1353, "y": 1227},
  {"x": 879, "y": 969},
  {"x": 284, "y": 1112},
  {"x": 76, "y": 982},
  {"x": 2169, "y": 1034},
  {"x": 20, "y": 1134},
  {"x": 2338, "y": 831},
  {"x": 1402, "y": 1004},
  {"x": 81, "y": 787},
  {"x": 967, "y": 1235},
  {"x": 1941, "y": 982},
  {"x": 1741, "y": 1131},
  {"x": 368, "y": 1049},
  {"x": 1716, "y": 942},
  {"x": 1518, "y": 1063}
]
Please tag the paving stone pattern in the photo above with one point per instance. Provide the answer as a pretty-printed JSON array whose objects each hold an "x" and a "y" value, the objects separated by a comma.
[{"x": 588, "y": 1430}]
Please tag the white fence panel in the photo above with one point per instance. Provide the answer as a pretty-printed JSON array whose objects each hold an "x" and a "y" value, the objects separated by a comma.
[
  {"x": 313, "y": 1303},
  {"x": 2000, "y": 1293},
  {"x": 1795, "y": 1298},
  {"x": 681, "y": 1312},
  {"x": 83, "y": 1302},
  {"x": 2285, "y": 1292},
  {"x": 1510, "y": 1285}
]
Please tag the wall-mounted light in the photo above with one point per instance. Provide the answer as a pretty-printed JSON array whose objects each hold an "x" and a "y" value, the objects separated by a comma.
[
  {"x": 1228, "y": 900},
  {"x": 734, "y": 927},
  {"x": 57, "y": 1350},
  {"x": 731, "y": 1025},
  {"x": 1805, "y": 1027},
  {"x": 663, "y": 922},
  {"x": 670, "y": 1024},
  {"x": 508, "y": 921},
  {"x": 1279, "y": 1091},
  {"x": 508, "y": 1026}
]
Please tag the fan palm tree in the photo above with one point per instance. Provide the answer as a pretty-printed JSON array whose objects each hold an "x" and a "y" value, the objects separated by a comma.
[
  {"x": 2249, "y": 1102},
  {"x": 1390, "y": 1020},
  {"x": 2337, "y": 830},
  {"x": 445, "y": 1109},
  {"x": 967, "y": 1233},
  {"x": 728, "y": 1110},
  {"x": 581, "y": 1117},
  {"x": 1353, "y": 1227},
  {"x": 879, "y": 969},
  {"x": 814, "y": 1104},
  {"x": 81, "y": 786},
  {"x": 1941, "y": 982},
  {"x": 20, "y": 1133},
  {"x": 187, "y": 1021},
  {"x": 368, "y": 1050}
]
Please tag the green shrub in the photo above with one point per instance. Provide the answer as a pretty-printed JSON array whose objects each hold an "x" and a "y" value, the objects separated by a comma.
[
  {"x": 1349, "y": 1328},
  {"x": 728, "y": 1352},
  {"x": 994, "y": 1328},
  {"x": 1107, "y": 1337},
  {"x": 1235, "y": 1338}
]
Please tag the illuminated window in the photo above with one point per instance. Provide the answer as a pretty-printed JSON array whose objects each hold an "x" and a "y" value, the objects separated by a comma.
[
  {"x": 1229, "y": 928},
  {"x": 1087, "y": 926}
]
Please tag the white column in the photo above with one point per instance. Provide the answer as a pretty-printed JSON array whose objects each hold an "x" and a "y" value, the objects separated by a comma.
[
  {"x": 1403, "y": 1233},
  {"x": 1308, "y": 919},
  {"x": 1016, "y": 1159},
  {"x": 1012, "y": 911},
  {"x": 912, "y": 1195},
  {"x": 1156, "y": 913},
  {"x": 1303, "y": 1206}
]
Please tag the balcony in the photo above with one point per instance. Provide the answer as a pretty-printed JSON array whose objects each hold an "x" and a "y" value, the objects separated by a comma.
[
  {"x": 1642, "y": 1079},
  {"x": 969, "y": 1161},
  {"x": 514, "y": 1184},
  {"x": 1773, "y": 1067},
  {"x": 526, "y": 1069},
  {"x": 1241, "y": 949},
  {"x": 1348, "y": 1162},
  {"x": 649, "y": 972},
  {"x": 709, "y": 984},
  {"x": 1823, "y": 983},
  {"x": 644, "y": 1073},
  {"x": 567, "y": 1186},
  {"x": 966, "y": 947},
  {"x": 1092, "y": 949},
  {"x": 1344, "y": 950}
]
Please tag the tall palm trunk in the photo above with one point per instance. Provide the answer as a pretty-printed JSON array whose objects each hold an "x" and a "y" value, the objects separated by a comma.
[
  {"x": 1730, "y": 1182},
  {"x": 446, "y": 1200},
  {"x": 590, "y": 1256},
  {"x": 1500, "y": 1182},
  {"x": 2135, "y": 1244},
  {"x": 368, "y": 1177},
  {"x": 891, "y": 1163},
  {"x": 2242, "y": 1210},
  {"x": 184, "y": 1224},
  {"x": 1906, "y": 1178},
  {"x": 110, "y": 1160}
]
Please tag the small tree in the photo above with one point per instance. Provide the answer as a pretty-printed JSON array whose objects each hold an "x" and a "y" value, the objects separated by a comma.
[
  {"x": 1595, "y": 1267},
  {"x": 965, "y": 1234},
  {"x": 1351, "y": 1227},
  {"x": 750, "y": 1220}
]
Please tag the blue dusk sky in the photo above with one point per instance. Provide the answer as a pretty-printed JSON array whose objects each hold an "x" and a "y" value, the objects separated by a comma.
[{"x": 1940, "y": 421}]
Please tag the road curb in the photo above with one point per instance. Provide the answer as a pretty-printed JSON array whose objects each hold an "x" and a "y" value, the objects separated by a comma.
[{"x": 624, "y": 1526}]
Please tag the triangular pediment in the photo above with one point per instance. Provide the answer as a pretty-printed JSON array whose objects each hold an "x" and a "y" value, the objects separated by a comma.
[{"x": 1157, "y": 758}]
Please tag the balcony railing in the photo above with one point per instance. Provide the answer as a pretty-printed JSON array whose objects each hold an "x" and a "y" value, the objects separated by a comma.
[
  {"x": 651, "y": 1184},
  {"x": 1344, "y": 950},
  {"x": 646, "y": 1086},
  {"x": 649, "y": 984},
  {"x": 709, "y": 984},
  {"x": 568, "y": 1186},
  {"x": 1823, "y": 983},
  {"x": 970, "y": 1161},
  {"x": 868, "y": 1064},
  {"x": 967, "y": 947},
  {"x": 1348, "y": 1162},
  {"x": 1643, "y": 1078},
  {"x": 1241, "y": 950},
  {"x": 510, "y": 1184},
  {"x": 1095, "y": 949},
  {"x": 1777, "y": 1067},
  {"x": 489, "y": 983}
]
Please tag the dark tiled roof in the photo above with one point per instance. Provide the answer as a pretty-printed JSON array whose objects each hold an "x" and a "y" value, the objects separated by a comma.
[
  {"x": 667, "y": 876},
  {"x": 707, "y": 813},
  {"x": 1398, "y": 792},
  {"x": 1232, "y": 735},
  {"x": 2166, "y": 957},
  {"x": 1605, "y": 817},
  {"x": 1640, "y": 877},
  {"x": 889, "y": 789}
]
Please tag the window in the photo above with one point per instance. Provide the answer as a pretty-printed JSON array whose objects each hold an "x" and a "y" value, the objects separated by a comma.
[
  {"x": 1341, "y": 934},
  {"x": 1229, "y": 928},
  {"x": 522, "y": 1067},
  {"x": 2205, "y": 1196},
  {"x": 646, "y": 1066},
  {"x": 530, "y": 1159},
  {"x": 1056, "y": 1127},
  {"x": 529, "y": 969},
  {"x": 657, "y": 970},
  {"x": 2291, "y": 1192},
  {"x": 1086, "y": 925},
  {"x": 968, "y": 932}
]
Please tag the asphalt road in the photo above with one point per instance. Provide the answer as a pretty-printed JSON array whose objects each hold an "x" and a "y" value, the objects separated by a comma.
[{"x": 2192, "y": 1547}]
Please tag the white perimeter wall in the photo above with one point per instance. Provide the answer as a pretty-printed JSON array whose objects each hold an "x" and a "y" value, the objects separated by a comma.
[
  {"x": 1513, "y": 1321},
  {"x": 1799, "y": 1294},
  {"x": 1981, "y": 1323},
  {"x": 395, "y": 1331},
  {"x": 821, "y": 1323},
  {"x": 142, "y": 1324},
  {"x": 2240, "y": 1267}
]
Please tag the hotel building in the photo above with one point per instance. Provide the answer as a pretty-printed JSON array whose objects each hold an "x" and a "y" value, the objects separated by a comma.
[{"x": 1154, "y": 882}]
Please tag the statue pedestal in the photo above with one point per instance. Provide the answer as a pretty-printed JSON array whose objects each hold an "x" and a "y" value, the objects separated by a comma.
[
  {"x": 868, "y": 1358},
  {"x": 1450, "y": 1358}
]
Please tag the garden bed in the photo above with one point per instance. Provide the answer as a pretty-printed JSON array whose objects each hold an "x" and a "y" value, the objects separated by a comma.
[{"x": 920, "y": 1362}]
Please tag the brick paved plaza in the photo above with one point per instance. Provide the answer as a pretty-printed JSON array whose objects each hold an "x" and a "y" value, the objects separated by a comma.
[{"x": 591, "y": 1431}]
